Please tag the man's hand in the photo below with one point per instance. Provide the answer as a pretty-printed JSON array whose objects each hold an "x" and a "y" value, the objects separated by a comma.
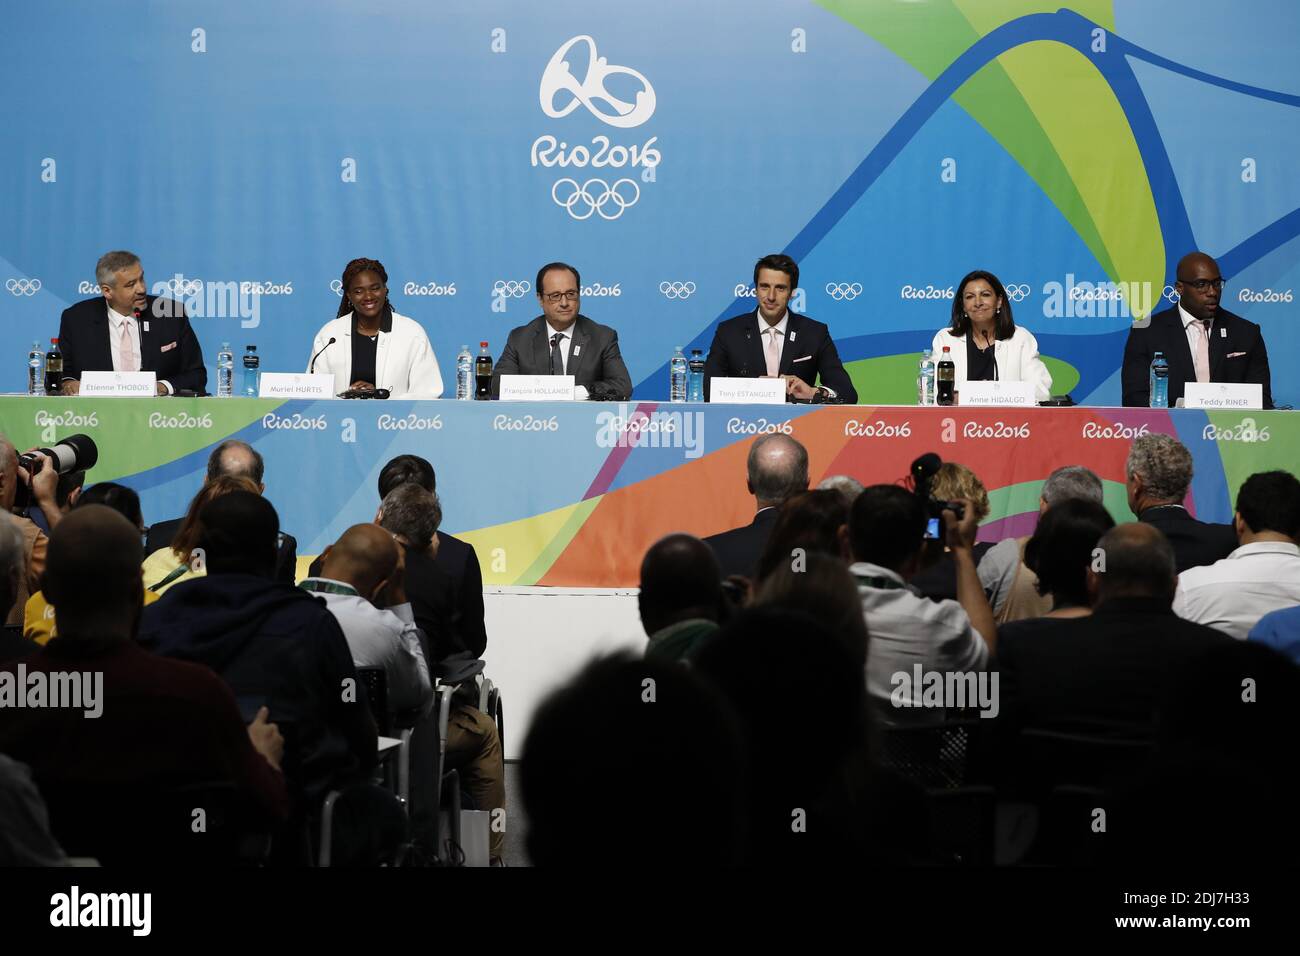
[
  {"x": 46, "y": 480},
  {"x": 266, "y": 738},
  {"x": 70, "y": 386},
  {"x": 960, "y": 534},
  {"x": 795, "y": 387}
]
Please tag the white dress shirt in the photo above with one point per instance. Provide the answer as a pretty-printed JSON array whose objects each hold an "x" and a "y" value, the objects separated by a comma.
[
  {"x": 566, "y": 349},
  {"x": 764, "y": 336},
  {"x": 1234, "y": 593},
  {"x": 1192, "y": 332},
  {"x": 115, "y": 322},
  {"x": 383, "y": 637},
  {"x": 905, "y": 629}
]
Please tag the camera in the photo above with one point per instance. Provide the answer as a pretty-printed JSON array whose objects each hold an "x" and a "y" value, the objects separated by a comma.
[
  {"x": 923, "y": 471},
  {"x": 74, "y": 453}
]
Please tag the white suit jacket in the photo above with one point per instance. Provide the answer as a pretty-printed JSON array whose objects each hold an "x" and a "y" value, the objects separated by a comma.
[
  {"x": 1017, "y": 359},
  {"x": 404, "y": 360}
]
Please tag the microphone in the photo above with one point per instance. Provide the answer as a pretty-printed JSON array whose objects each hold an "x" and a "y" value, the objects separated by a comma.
[{"x": 312, "y": 367}]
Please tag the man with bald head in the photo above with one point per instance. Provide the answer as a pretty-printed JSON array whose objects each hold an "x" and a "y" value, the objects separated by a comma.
[
  {"x": 1106, "y": 672},
  {"x": 1201, "y": 341},
  {"x": 777, "y": 471},
  {"x": 144, "y": 724},
  {"x": 681, "y": 596},
  {"x": 361, "y": 582}
]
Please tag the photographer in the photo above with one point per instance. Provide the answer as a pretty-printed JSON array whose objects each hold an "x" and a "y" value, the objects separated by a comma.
[{"x": 40, "y": 487}]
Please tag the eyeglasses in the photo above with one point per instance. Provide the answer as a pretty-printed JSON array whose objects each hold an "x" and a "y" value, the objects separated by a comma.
[
  {"x": 557, "y": 297},
  {"x": 1200, "y": 285}
]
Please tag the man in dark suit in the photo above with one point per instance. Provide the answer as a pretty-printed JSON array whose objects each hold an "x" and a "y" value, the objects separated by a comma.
[
  {"x": 1107, "y": 672},
  {"x": 236, "y": 459},
  {"x": 1201, "y": 342},
  {"x": 561, "y": 341},
  {"x": 1158, "y": 473},
  {"x": 777, "y": 471},
  {"x": 773, "y": 341},
  {"x": 127, "y": 330}
]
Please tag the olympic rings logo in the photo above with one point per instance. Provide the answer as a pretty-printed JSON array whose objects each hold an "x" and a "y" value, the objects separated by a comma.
[
  {"x": 581, "y": 203},
  {"x": 336, "y": 286},
  {"x": 844, "y": 290},
  {"x": 182, "y": 287},
  {"x": 1171, "y": 293},
  {"x": 677, "y": 290},
  {"x": 1016, "y": 293},
  {"x": 510, "y": 289},
  {"x": 23, "y": 286}
]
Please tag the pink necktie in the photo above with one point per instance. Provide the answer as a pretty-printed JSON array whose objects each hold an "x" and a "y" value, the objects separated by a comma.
[
  {"x": 773, "y": 353},
  {"x": 127, "y": 350},
  {"x": 1202, "y": 352}
]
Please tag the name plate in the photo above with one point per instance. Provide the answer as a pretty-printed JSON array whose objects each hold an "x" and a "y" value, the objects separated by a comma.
[
  {"x": 537, "y": 388},
  {"x": 747, "y": 391},
  {"x": 295, "y": 385},
  {"x": 1223, "y": 395},
  {"x": 119, "y": 383},
  {"x": 999, "y": 394}
]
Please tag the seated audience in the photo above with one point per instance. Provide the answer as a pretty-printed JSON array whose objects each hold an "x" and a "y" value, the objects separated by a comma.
[
  {"x": 158, "y": 725},
  {"x": 846, "y": 485},
  {"x": 938, "y": 581},
  {"x": 680, "y": 598},
  {"x": 1263, "y": 573},
  {"x": 177, "y": 561},
  {"x": 1280, "y": 630},
  {"x": 361, "y": 583},
  {"x": 1104, "y": 673},
  {"x": 886, "y": 535},
  {"x": 668, "y": 747},
  {"x": 1158, "y": 477},
  {"x": 824, "y": 590},
  {"x": 777, "y": 469},
  {"x": 38, "y": 615},
  {"x": 275, "y": 645},
  {"x": 1010, "y": 585},
  {"x": 1062, "y": 549},
  {"x": 809, "y": 523},
  {"x": 231, "y": 459}
]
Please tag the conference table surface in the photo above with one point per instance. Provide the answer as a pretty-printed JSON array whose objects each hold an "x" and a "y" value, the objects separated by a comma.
[{"x": 572, "y": 493}]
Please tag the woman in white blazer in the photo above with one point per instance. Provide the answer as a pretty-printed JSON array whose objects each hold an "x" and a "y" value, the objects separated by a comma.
[
  {"x": 375, "y": 347},
  {"x": 983, "y": 341}
]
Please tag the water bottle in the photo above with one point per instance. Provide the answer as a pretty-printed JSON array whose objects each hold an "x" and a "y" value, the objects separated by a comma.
[
  {"x": 677, "y": 377},
  {"x": 36, "y": 370},
  {"x": 251, "y": 365},
  {"x": 225, "y": 371},
  {"x": 925, "y": 380},
  {"x": 53, "y": 369},
  {"x": 695, "y": 379},
  {"x": 1159, "y": 382},
  {"x": 464, "y": 374},
  {"x": 946, "y": 380},
  {"x": 483, "y": 373}
]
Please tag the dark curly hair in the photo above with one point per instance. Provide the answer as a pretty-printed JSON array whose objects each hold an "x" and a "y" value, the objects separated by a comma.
[{"x": 354, "y": 269}]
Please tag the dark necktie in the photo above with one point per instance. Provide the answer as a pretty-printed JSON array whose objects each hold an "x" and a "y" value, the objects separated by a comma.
[{"x": 557, "y": 360}]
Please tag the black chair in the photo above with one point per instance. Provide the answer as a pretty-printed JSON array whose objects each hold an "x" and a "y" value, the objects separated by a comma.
[
  {"x": 397, "y": 774},
  {"x": 963, "y": 824},
  {"x": 363, "y": 825},
  {"x": 943, "y": 756}
]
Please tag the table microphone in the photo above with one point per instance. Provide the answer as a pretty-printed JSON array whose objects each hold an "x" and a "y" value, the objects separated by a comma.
[{"x": 311, "y": 368}]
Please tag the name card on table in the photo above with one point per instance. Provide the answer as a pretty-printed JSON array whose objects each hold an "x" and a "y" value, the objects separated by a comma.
[
  {"x": 537, "y": 388},
  {"x": 1223, "y": 395},
  {"x": 119, "y": 383},
  {"x": 295, "y": 385},
  {"x": 747, "y": 391},
  {"x": 998, "y": 394}
]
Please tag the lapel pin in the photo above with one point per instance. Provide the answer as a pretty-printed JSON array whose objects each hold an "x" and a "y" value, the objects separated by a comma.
[
  {"x": 1223, "y": 331},
  {"x": 146, "y": 326},
  {"x": 577, "y": 350},
  {"x": 791, "y": 336}
]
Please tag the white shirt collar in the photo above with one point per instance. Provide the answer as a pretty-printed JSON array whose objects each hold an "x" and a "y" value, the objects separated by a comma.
[
  {"x": 1188, "y": 318},
  {"x": 552, "y": 331},
  {"x": 865, "y": 569},
  {"x": 1265, "y": 547},
  {"x": 117, "y": 318},
  {"x": 780, "y": 326}
]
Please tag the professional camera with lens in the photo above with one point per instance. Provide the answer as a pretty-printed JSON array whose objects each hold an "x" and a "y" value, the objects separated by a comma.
[
  {"x": 923, "y": 472},
  {"x": 74, "y": 453}
]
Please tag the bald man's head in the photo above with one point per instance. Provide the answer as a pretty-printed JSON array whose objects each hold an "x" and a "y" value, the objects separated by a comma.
[
  {"x": 1136, "y": 560},
  {"x": 8, "y": 474},
  {"x": 680, "y": 580},
  {"x": 92, "y": 574},
  {"x": 1199, "y": 285},
  {"x": 778, "y": 469},
  {"x": 365, "y": 556}
]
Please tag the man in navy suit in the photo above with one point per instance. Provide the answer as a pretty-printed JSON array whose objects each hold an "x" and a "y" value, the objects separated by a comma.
[
  {"x": 1201, "y": 342},
  {"x": 127, "y": 330},
  {"x": 773, "y": 341}
]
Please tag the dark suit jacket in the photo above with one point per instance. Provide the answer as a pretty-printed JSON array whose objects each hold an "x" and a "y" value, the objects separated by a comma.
[
  {"x": 808, "y": 351},
  {"x": 458, "y": 559},
  {"x": 739, "y": 549},
  {"x": 1195, "y": 542},
  {"x": 1243, "y": 341},
  {"x": 1104, "y": 672},
  {"x": 594, "y": 359},
  {"x": 168, "y": 346},
  {"x": 163, "y": 533}
]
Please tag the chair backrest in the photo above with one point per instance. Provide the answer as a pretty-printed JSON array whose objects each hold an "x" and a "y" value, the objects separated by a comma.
[
  {"x": 1102, "y": 759},
  {"x": 375, "y": 681},
  {"x": 940, "y": 756}
]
